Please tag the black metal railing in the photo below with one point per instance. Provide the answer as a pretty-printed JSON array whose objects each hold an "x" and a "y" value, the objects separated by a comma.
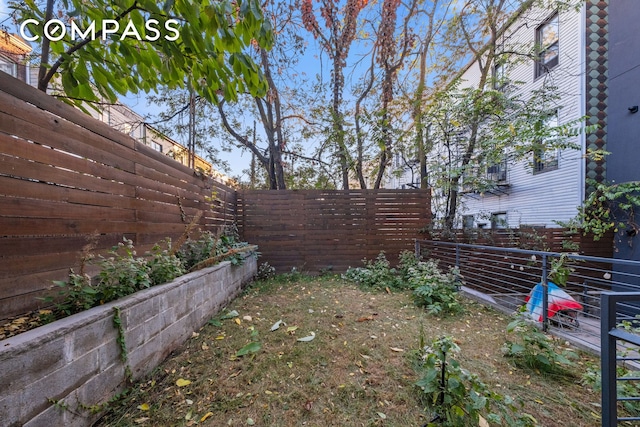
[
  {"x": 608, "y": 290},
  {"x": 619, "y": 345},
  {"x": 505, "y": 277}
]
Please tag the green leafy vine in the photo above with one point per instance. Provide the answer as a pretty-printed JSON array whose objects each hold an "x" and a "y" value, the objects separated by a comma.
[{"x": 124, "y": 354}]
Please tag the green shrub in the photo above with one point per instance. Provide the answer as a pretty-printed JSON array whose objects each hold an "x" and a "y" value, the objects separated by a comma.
[
  {"x": 197, "y": 250},
  {"x": 163, "y": 265},
  {"x": 593, "y": 378},
  {"x": 376, "y": 274},
  {"x": 434, "y": 290},
  {"x": 406, "y": 261},
  {"x": 456, "y": 397},
  {"x": 77, "y": 294},
  {"x": 122, "y": 273},
  {"x": 265, "y": 271},
  {"x": 535, "y": 350}
]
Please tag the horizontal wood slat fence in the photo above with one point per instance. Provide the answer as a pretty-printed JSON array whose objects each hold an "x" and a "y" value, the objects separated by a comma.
[
  {"x": 318, "y": 230},
  {"x": 65, "y": 176},
  {"x": 540, "y": 239}
]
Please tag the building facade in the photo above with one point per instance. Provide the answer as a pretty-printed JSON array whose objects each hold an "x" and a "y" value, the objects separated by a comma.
[
  {"x": 540, "y": 189},
  {"x": 542, "y": 48}
]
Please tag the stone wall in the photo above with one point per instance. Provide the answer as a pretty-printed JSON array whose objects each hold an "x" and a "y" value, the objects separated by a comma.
[{"x": 77, "y": 361}]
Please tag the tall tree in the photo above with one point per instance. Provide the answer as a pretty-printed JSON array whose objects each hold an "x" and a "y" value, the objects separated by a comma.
[
  {"x": 133, "y": 45},
  {"x": 391, "y": 54},
  {"x": 435, "y": 21},
  {"x": 341, "y": 24},
  {"x": 272, "y": 111}
]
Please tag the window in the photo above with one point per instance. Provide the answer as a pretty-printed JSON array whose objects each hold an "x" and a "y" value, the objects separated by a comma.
[
  {"x": 499, "y": 75},
  {"x": 499, "y": 220},
  {"x": 8, "y": 67},
  {"x": 547, "y": 41},
  {"x": 497, "y": 172},
  {"x": 156, "y": 146},
  {"x": 545, "y": 160}
]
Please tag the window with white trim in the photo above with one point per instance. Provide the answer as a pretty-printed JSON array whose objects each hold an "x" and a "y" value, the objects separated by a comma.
[
  {"x": 545, "y": 160},
  {"x": 548, "y": 43}
]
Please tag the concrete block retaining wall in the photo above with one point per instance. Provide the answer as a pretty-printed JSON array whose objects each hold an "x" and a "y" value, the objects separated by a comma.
[{"x": 77, "y": 360}]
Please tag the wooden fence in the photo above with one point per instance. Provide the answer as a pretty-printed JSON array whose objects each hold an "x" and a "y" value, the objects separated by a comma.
[
  {"x": 318, "y": 230},
  {"x": 540, "y": 239},
  {"x": 65, "y": 176}
]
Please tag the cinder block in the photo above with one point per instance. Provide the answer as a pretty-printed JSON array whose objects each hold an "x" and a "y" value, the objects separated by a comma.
[
  {"x": 34, "y": 397},
  {"x": 88, "y": 338},
  {"x": 30, "y": 362}
]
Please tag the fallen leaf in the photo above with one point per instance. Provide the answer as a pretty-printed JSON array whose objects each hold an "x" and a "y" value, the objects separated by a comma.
[
  {"x": 276, "y": 325},
  {"x": 144, "y": 407},
  {"x": 205, "y": 416},
  {"x": 365, "y": 319},
  {"x": 205, "y": 346},
  {"x": 189, "y": 415},
  {"x": 141, "y": 420},
  {"x": 215, "y": 322},
  {"x": 252, "y": 347},
  {"x": 182, "y": 382},
  {"x": 397, "y": 350},
  {"x": 250, "y": 422},
  {"x": 308, "y": 338},
  {"x": 238, "y": 321},
  {"x": 220, "y": 337},
  {"x": 482, "y": 422},
  {"x": 247, "y": 318},
  {"x": 291, "y": 329},
  {"x": 231, "y": 315},
  {"x": 382, "y": 415}
]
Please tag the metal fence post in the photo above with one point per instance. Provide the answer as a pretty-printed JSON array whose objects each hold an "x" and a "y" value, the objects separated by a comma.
[
  {"x": 608, "y": 361},
  {"x": 545, "y": 295},
  {"x": 416, "y": 244},
  {"x": 457, "y": 256}
]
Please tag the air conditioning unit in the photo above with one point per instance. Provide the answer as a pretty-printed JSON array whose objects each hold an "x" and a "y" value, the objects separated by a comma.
[{"x": 497, "y": 172}]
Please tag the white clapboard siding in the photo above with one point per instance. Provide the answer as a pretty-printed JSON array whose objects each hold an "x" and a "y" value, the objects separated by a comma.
[{"x": 541, "y": 199}]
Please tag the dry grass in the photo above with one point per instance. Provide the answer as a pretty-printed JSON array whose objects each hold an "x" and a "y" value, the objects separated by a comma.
[{"x": 356, "y": 372}]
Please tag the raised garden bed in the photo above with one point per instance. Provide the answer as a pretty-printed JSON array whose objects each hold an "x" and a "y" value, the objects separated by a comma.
[{"x": 58, "y": 373}]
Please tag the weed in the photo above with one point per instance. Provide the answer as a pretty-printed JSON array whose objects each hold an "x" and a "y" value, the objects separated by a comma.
[
  {"x": 561, "y": 269},
  {"x": 592, "y": 377},
  {"x": 197, "y": 250},
  {"x": 535, "y": 350},
  {"x": 265, "y": 271},
  {"x": 376, "y": 274},
  {"x": 457, "y": 397},
  {"x": 77, "y": 294},
  {"x": 380, "y": 275},
  {"x": 434, "y": 290},
  {"x": 164, "y": 266},
  {"x": 122, "y": 273}
]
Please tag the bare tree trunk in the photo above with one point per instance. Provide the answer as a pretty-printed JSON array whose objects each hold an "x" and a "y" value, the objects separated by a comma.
[{"x": 43, "y": 83}]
